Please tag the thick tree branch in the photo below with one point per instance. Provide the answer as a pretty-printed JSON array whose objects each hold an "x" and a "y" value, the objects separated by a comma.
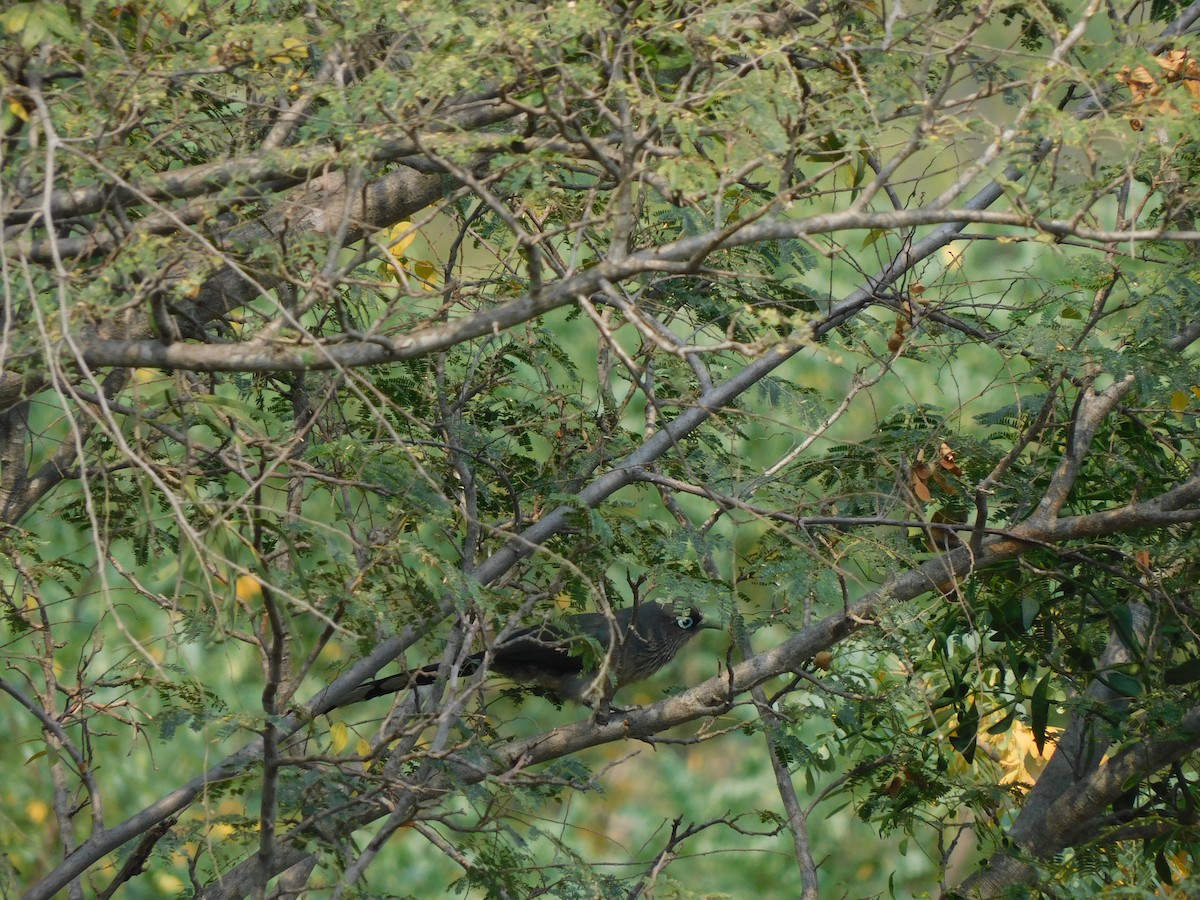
[
  {"x": 273, "y": 169},
  {"x": 230, "y": 288}
]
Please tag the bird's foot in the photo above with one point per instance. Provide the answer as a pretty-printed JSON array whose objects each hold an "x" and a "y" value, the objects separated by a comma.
[{"x": 604, "y": 713}]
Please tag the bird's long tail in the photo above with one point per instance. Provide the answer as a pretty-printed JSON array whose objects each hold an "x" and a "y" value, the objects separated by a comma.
[{"x": 413, "y": 678}]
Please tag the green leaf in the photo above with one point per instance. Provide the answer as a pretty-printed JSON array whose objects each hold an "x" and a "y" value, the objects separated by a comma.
[
  {"x": 1163, "y": 868},
  {"x": 1184, "y": 673},
  {"x": 1122, "y": 682},
  {"x": 964, "y": 737},
  {"x": 1030, "y": 606},
  {"x": 1004, "y": 724},
  {"x": 37, "y": 22},
  {"x": 1122, "y": 619},
  {"x": 872, "y": 236},
  {"x": 1040, "y": 711}
]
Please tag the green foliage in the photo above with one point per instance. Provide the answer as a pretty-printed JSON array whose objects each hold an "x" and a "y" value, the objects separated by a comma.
[{"x": 354, "y": 416}]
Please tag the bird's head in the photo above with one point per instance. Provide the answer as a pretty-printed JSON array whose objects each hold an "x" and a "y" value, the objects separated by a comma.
[
  {"x": 688, "y": 620},
  {"x": 659, "y": 629}
]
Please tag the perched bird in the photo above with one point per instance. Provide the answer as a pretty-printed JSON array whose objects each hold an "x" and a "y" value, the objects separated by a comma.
[{"x": 556, "y": 657}]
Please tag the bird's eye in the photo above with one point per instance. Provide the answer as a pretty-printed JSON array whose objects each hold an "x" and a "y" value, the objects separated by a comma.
[{"x": 685, "y": 622}]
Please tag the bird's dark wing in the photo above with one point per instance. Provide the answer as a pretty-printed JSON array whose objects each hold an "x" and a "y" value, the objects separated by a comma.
[
  {"x": 381, "y": 686},
  {"x": 542, "y": 654},
  {"x": 563, "y": 658}
]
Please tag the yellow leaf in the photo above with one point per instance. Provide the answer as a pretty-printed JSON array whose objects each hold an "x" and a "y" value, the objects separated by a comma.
[
  {"x": 399, "y": 236},
  {"x": 872, "y": 236},
  {"x": 17, "y": 17},
  {"x": 170, "y": 885},
  {"x": 223, "y": 830},
  {"x": 363, "y": 748},
  {"x": 289, "y": 48},
  {"x": 425, "y": 270},
  {"x": 339, "y": 736},
  {"x": 248, "y": 588},
  {"x": 395, "y": 273}
]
